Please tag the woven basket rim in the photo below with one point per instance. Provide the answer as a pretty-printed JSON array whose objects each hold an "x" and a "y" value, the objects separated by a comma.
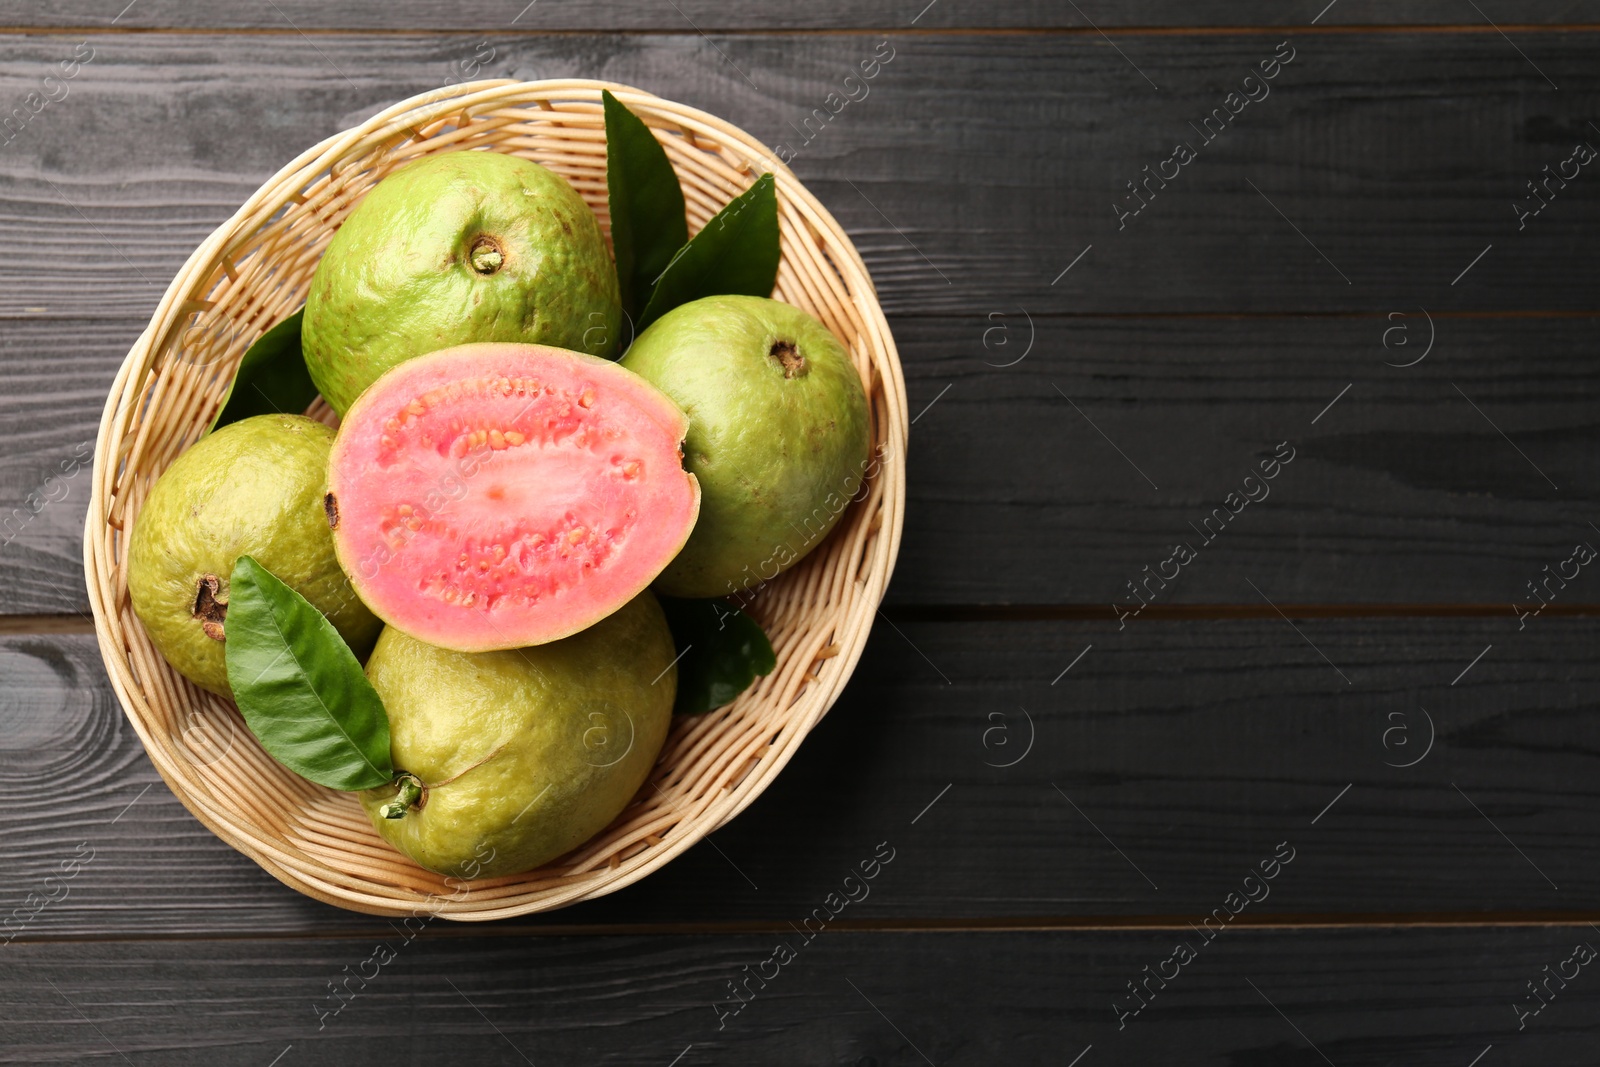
[{"x": 473, "y": 101}]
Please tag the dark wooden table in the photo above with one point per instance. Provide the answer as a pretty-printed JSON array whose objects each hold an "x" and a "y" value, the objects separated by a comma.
[{"x": 1331, "y": 797}]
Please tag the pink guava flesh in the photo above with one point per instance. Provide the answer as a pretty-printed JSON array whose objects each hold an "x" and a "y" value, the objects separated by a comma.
[{"x": 493, "y": 496}]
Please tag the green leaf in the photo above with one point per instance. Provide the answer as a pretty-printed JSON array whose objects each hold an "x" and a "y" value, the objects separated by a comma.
[
  {"x": 736, "y": 252},
  {"x": 721, "y": 651},
  {"x": 272, "y": 376},
  {"x": 647, "y": 219},
  {"x": 300, "y": 688}
]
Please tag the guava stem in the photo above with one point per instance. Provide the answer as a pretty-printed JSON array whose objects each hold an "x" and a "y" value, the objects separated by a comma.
[
  {"x": 486, "y": 257},
  {"x": 410, "y": 787}
]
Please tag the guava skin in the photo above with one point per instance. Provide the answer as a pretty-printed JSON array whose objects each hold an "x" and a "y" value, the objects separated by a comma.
[
  {"x": 254, "y": 487},
  {"x": 454, "y": 248},
  {"x": 779, "y": 433},
  {"x": 525, "y": 753}
]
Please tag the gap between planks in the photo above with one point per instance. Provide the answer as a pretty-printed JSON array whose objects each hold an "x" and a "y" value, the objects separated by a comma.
[
  {"x": 1354, "y": 921},
  {"x": 754, "y": 31},
  {"x": 1183, "y": 612}
]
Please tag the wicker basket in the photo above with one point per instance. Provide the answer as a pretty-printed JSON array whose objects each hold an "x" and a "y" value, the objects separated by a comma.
[{"x": 254, "y": 270}]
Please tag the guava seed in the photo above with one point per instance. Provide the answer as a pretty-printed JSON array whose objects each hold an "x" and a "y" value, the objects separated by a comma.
[
  {"x": 789, "y": 358},
  {"x": 555, "y": 421},
  {"x": 521, "y": 558},
  {"x": 490, "y": 484}
]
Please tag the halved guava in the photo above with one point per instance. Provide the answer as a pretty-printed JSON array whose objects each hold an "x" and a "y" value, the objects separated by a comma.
[{"x": 493, "y": 496}]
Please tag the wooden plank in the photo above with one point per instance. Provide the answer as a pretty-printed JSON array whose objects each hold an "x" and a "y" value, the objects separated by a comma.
[
  {"x": 1402, "y": 492},
  {"x": 712, "y": 15},
  {"x": 1059, "y": 478},
  {"x": 54, "y": 380},
  {"x": 1148, "y": 775},
  {"x": 1354, "y": 998},
  {"x": 992, "y": 159}
]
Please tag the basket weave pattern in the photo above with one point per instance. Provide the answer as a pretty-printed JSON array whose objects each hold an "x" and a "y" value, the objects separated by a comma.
[{"x": 255, "y": 270}]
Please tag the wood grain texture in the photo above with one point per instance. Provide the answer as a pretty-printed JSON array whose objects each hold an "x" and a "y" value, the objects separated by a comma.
[
  {"x": 720, "y": 15},
  {"x": 1058, "y": 477},
  {"x": 53, "y": 385},
  {"x": 1355, "y": 998},
  {"x": 1146, "y": 778},
  {"x": 1401, "y": 492},
  {"x": 1027, "y": 772},
  {"x": 974, "y": 171}
]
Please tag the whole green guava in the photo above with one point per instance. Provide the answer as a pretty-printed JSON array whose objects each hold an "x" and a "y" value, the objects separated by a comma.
[
  {"x": 455, "y": 248},
  {"x": 522, "y": 754},
  {"x": 254, "y": 487},
  {"x": 779, "y": 434}
]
